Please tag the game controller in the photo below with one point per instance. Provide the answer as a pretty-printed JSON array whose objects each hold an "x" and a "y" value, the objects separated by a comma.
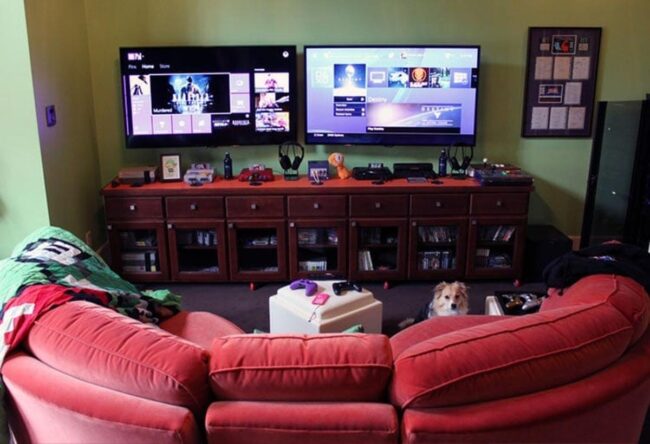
[
  {"x": 532, "y": 301},
  {"x": 309, "y": 286},
  {"x": 340, "y": 287}
]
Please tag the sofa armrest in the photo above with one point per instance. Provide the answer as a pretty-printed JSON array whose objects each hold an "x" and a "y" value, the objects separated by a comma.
[{"x": 46, "y": 405}]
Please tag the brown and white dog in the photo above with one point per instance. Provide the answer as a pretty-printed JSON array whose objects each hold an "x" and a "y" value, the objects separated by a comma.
[{"x": 449, "y": 299}]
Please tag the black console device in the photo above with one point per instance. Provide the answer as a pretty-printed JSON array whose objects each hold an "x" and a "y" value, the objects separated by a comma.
[
  {"x": 417, "y": 169},
  {"x": 367, "y": 173},
  {"x": 340, "y": 287}
]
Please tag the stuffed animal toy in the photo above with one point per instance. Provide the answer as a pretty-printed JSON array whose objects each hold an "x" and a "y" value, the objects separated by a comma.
[{"x": 336, "y": 159}]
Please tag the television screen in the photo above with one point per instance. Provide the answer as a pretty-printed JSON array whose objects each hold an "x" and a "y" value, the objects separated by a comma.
[
  {"x": 208, "y": 96},
  {"x": 391, "y": 95}
]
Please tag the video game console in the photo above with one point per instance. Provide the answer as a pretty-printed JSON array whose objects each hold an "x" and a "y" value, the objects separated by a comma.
[
  {"x": 340, "y": 287},
  {"x": 310, "y": 286}
]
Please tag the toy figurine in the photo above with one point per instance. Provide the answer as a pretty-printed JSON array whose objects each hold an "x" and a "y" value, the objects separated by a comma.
[{"x": 336, "y": 159}]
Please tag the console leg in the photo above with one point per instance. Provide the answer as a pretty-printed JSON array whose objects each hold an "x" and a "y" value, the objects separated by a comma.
[
  {"x": 252, "y": 286},
  {"x": 387, "y": 285}
]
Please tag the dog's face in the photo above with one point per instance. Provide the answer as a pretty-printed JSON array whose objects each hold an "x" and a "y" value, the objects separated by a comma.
[{"x": 450, "y": 299}]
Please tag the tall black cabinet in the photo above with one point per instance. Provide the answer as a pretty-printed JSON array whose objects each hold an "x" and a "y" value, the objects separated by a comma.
[{"x": 617, "y": 204}]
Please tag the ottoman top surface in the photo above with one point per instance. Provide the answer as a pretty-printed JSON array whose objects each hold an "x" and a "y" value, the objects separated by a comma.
[{"x": 335, "y": 306}]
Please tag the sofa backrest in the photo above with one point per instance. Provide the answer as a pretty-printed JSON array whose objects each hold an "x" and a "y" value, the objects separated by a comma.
[
  {"x": 325, "y": 367},
  {"x": 518, "y": 355},
  {"x": 100, "y": 346},
  {"x": 625, "y": 294}
]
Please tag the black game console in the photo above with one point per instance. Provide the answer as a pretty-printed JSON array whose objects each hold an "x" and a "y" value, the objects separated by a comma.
[
  {"x": 421, "y": 169},
  {"x": 505, "y": 175},
  {"x": 367, "y": 173}
]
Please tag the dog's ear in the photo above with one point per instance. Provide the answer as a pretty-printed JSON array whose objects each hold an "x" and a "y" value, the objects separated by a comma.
[{"x": 437, "y": 290}]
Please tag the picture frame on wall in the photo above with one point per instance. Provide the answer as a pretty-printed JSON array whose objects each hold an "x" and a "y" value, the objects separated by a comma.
[
  {"x": 560, "y": 89},
  {"x": 170, "y": 167}
]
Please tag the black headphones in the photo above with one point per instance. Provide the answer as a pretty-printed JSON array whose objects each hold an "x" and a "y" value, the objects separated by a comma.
[
  {"x": 467, "y": 159},
  {"x": 283, "y": 153}
]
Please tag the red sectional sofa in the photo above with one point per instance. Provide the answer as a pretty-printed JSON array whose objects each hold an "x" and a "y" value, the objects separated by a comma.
[{"x": 577, "y": 371}]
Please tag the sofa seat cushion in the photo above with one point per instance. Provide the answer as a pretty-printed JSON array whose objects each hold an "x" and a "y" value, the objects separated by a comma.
[
  {"x": 199, "y": 327},
  {"x": 324, "y": 367},
  {"x": 300, "y": 422},
  {"x": 100, "y": 346},
  {"x": 625, "y": 294},
  {"x": 512, "y": 357}
]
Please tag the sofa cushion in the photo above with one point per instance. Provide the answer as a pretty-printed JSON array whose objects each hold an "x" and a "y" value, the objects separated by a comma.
[
  {"x": 436, "y": 326},
  {"x": 625, "y": 294},
  {"x": 325, "y": 367},
  {"x": 100, "y": 346},
  {"x": 199, "y": 327},
  {"x": 512, "y": 357},
  {"x": 233, "y": 422}
]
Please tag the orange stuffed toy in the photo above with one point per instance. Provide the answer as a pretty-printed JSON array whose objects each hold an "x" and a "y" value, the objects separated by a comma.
[{"x": 336, "y": 159}]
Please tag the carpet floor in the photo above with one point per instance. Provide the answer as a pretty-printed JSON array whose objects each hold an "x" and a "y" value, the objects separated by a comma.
[{"x": 250, "y": 309}]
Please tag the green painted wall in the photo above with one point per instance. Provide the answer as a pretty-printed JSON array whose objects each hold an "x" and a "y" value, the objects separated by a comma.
[
  {"x": 499, "y": 26},
  {"x": 61, "y": 73},
  {"x": 23, "y": 205}
]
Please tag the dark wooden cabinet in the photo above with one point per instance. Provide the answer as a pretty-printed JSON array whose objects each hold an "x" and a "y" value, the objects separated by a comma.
[{"x": 228, "y": 230}]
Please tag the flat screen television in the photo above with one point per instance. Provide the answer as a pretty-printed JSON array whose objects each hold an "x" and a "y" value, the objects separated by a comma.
[
  {"x": 208, "y": 96},
  {"x": 391, "y": 95}
]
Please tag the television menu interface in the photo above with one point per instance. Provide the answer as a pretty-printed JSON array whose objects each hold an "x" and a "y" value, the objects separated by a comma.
[
  {"x": 194, "y": 96},
  {"x": 391, "y": 95}
]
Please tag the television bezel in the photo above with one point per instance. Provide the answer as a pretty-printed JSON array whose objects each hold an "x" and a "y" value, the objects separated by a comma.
[
  {"x": 209, "y": 140},
  {"x": 331, "y": 141}
]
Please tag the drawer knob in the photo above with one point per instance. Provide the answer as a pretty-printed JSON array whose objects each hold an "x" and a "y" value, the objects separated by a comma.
[
  {"x": 109, "y": 227},
  {"x": 194, "y": 207},
  {"x": 253, "y": 206},
  {"x": 353, "y": 223},
  {"x": 316, "y": 206},
  {"x": 231, "y": 225},
  {"x": 292, "y": 224},
  {"x": 170, "y": 226},
  {"x": 438, "y": 204},
  {"x": 415, "y": 224},
  {"x": 132, "y": 207},
  {"x": 499, "y": 203},
  {"x": 377, "y": 204}
]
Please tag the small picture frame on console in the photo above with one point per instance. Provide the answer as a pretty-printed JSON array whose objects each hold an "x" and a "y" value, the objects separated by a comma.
[
  {"x": 318, "y": 171},
  {"x": 170, "y": 167}
]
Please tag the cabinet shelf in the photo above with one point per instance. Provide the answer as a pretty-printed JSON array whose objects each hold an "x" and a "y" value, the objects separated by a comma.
[
  {"x": 314, "y": 246},
  {"x": 436, "y": 245}
]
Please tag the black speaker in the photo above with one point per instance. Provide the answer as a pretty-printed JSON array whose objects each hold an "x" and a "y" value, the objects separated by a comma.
[
  {"x": 544, "y": 243},
  {"x": 297, "y": 151}
]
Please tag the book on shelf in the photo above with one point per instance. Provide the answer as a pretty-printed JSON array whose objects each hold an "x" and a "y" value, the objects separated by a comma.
[
  {"x": 139, "y": 261},
  {"x": 482, "y": 255},
  {"x": 365, "y": 261},
  {"x": 313, "y": 265}
]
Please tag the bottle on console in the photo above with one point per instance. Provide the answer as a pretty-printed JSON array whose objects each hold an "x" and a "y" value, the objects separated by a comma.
[
  {"x": 227, "y": 167},
  {"x": 442, "y": 163}
]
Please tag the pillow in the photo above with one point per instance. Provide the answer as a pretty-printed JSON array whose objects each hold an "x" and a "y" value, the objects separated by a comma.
[
  {"x": 324, "y": 367},
  {"x": 512, "y": 357}
]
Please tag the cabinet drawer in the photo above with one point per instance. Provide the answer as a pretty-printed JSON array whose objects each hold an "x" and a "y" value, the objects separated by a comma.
[
  {"x": 439, "y": 204},
  {"x": 265, "y": 206},
  {"x": 378, "y": 205},
  {"x": 133, "y": 208},
  {"x": 194, "y": 207},
  {"x": 316, "y": 206},
  {"x": 499, "y": 203}
]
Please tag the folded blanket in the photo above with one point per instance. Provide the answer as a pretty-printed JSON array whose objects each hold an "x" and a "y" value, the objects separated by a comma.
[{"x": 52, "y": 266}]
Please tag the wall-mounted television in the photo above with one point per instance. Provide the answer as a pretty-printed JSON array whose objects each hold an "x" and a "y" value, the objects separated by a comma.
[
  {"x": 391, "y": 95},
  {"x": 208, "y": 96}
]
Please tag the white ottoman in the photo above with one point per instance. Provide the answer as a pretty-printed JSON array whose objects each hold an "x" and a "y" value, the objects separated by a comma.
[{"x": 290, "y": 311}]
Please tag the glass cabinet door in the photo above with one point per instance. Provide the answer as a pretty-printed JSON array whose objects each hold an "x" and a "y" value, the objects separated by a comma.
[
  {"x": 380, "y": 247},
  {"x": 437, "y": 248},
  {"x": 138, "y": 250},
  {"x": 496, "y": 247},
  {"x": 257, "y": 250},
  {"x": 197, "y": 251},
  {"x": 317, "y": 248}
]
